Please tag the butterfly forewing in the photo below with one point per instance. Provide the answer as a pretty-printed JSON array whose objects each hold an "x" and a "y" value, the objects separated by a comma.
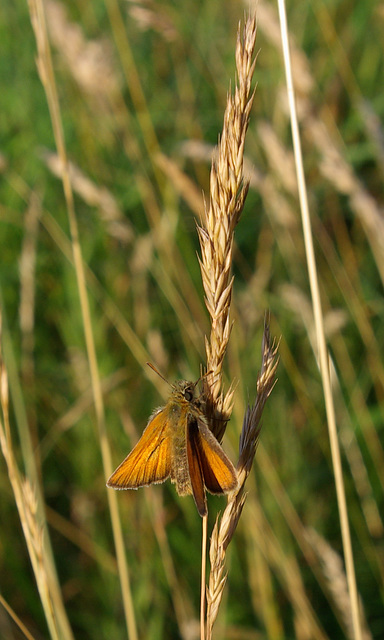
[
  {"x": 149, "y": 461},
  {"x": 218, "y": 471}
]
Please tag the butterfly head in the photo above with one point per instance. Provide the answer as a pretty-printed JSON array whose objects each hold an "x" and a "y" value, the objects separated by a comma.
[{"x": 184, "y": 389}]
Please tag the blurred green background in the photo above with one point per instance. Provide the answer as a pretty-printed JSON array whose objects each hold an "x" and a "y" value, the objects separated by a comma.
[{"x": 142, "y": 89}]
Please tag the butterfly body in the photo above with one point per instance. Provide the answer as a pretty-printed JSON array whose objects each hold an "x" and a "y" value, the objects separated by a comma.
[
  {"x": 178, "y": 410},
  {"x": 178, "y": 444}
]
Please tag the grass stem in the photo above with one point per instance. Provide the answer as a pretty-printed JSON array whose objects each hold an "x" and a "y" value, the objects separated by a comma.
[
  {"x": 319, "y": 324},
  {"x": 203, "y": 575}
]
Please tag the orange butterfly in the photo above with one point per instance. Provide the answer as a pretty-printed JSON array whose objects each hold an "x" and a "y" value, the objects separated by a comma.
[{"x": 178, "y": 443}]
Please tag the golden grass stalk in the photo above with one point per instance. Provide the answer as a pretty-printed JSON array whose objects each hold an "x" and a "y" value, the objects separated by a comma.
[
  {"x": 318, "y": 316},
  {"x": 224, "y": 529},
  {"x": 16, "y": 618},
  {"x": 34, "y": 527},
  {"x": 228, "y": 191},
  {"x": 27, "y": 286},
  {"x": 87, "y": 60},
  {"x": 45, "y": 68},
  {"x": 333, "y": 570},
  {"x": 95, "y": 196}
]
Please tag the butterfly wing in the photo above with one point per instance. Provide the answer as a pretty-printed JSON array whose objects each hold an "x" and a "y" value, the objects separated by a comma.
[
  {"x": 194, "y": 467},
  {"x": 149, "y": 461},
  {"x": 217, "y": 470}
]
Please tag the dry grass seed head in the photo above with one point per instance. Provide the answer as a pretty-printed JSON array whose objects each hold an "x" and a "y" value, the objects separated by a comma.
[{"x": 228, "y": 191}]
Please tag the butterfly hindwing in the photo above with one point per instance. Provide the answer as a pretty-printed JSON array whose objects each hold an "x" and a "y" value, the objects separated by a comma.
[
  {"x": 149, "y": 461},
  {"x": 218, "y": 472},
  {"x": 194, "y": 465}
]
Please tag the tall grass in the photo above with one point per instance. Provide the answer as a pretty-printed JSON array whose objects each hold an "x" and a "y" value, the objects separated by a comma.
[{"x": 141, "y": 90}]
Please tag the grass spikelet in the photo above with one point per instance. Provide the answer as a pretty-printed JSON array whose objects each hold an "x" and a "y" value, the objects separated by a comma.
[
  {"x": 252, "y": 419},
  {"x": 226, "y": 526},
  {"x": 228, "y": 190}
]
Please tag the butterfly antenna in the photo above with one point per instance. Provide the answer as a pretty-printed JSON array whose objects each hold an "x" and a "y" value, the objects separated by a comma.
[
  {"x": 204, "y": 375},
  {"x": 158, "y": 373}
]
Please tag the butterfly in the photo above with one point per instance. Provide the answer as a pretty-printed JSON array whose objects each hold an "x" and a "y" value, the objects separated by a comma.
[{"x": 177, "y": 443}]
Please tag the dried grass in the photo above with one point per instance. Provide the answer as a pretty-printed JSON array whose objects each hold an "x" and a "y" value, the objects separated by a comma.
[
  {"x": 333, "y": 569},
  {"x": 31, "y": 512},
  {"x": 95, "y": 196},
  {"x": 228, "y": 191},
  {"x": 334, "y": 168},
  {"x": 321, "y": 346},
  {"x": 88, "y": 61},
  {"x": 45, "y": 68},
  {"x": 225, "y": 526}
]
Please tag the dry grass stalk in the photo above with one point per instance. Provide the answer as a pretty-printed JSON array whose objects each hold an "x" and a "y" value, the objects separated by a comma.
[
  {"x": 340, "y": 174},
  {"x": 47, "y": 76},
  {"x": 228, "y": 191},
  {"x": 15, "y": 618},
  {"x": 94, "y": 196},
  {"x": 333, "y": 570},
  {"x": 223, "y": 531},
  {"x": 149, "y": 15},
  {"x": 33, "y": 529},
  {"x": 319, "y": 323},
  {"x": 88, "y": 61},
  {"x": 27, "y": 285}
]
